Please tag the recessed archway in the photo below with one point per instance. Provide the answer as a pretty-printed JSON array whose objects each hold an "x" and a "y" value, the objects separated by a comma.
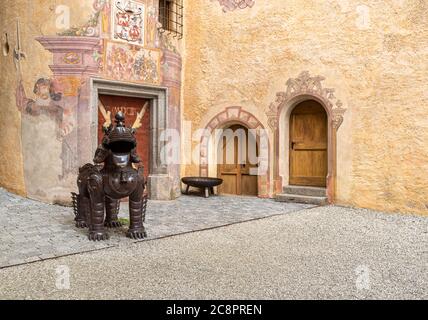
[
  {"x": 208, "y": 147},
  {"x": 308, "y": 148},
  {"x": 237, "y": 161},
  {"x": 303, "y": 88}
]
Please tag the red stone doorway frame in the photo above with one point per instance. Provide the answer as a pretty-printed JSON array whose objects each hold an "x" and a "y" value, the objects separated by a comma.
[{"x": 305, "y": 87}]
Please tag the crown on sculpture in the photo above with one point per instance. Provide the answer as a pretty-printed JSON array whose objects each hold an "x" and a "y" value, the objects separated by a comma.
[{"x": 120, "y": 138}]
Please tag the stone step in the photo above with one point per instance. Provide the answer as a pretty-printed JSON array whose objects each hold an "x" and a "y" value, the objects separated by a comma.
[
  {"x": 306, "y": 191},
  {"x": 296, "y": 198}
]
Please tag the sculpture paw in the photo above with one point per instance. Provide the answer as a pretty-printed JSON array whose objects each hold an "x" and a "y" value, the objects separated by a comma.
[
  {"x": 137, "y": 234},
  {"x": 81, "y": 224},
  {"x": 113, "y": 224},
  {"x": 98, "y": 236}
]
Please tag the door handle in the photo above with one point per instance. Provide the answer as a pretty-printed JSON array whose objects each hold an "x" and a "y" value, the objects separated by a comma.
[{"x": 292, "y": 145}]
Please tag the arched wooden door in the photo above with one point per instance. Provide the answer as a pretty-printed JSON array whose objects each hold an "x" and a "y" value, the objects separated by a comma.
[
  {"x": 236, "y": 164},
  {"x": 308, "y": 145}
]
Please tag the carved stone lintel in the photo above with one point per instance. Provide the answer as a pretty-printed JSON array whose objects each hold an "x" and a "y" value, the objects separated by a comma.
[
  {"x": 305, "y": 84},
  {"x": 273, "y": 110},
  {"x": 338, "y": 113},
  {"x": 72, "y": 55}
]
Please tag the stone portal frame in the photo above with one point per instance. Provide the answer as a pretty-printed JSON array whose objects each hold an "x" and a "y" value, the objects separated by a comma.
[
  {"x": 228, "y": 117},
  {"x": 78, "y": 70},
  {"x": 302, "y": 88},
  {"x": 159, "y": 183}
]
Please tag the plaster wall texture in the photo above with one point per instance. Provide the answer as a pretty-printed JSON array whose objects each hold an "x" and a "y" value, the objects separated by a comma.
[
  {"x": 11, "y": 159},
  {"x": 41, "y": 130},
  {"x": 27, "y": 137},
  {"x": 373, "y": 53}
]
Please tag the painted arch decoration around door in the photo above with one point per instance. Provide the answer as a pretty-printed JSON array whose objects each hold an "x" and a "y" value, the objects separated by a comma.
[
  {"x": 230, "y": 117},
  {"x": 303, "y": 88}
]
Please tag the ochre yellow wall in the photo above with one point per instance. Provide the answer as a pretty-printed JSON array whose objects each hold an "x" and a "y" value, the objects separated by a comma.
[
  {"x": 39, "y": 146},
  {"x": 244, "y": 57},
  {"x": 36, "y": 18},
  {"x": 379, "y": 71}
]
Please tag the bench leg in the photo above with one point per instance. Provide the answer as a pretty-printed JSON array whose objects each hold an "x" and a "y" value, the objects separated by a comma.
[
  {"x": 187, "y": 189},
  {"x": 207, "y": 192},
  {"x": 212, "y": 191}
]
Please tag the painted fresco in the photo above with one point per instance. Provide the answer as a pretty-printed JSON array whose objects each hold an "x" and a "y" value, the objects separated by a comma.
[
  {"x": 45, "y": 102},
  {"x": 92, "y": 27},
  {"x": 152, "y": 27},
  {"x": 56, "y": 135},
  {"x": 128, "y": 21},
  {"x": 231, "y": 5},
  {"x": 132, "y": 63},
  {"x": 47, "y": 125}
]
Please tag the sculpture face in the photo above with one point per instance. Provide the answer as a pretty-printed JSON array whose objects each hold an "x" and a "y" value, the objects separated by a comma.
[
  {"x": 103, "y": 188},
  {"x": 122, "y": 178},
  {"x": 122, "y": 147}
]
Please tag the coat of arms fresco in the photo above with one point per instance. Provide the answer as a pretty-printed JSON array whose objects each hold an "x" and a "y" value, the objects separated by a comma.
[
  {"x": 132, "y": 64},
  {"x": 128, "y": 21}
]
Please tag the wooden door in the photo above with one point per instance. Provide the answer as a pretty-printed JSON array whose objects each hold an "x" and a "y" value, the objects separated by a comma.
[
  {"x": 308, "y": 145},
  {"x": 234, "y": 165},
  {"x": 130, "y": 107}
]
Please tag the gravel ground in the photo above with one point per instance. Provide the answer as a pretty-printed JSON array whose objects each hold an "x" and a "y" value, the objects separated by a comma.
[{"x": 321, "y": 253}]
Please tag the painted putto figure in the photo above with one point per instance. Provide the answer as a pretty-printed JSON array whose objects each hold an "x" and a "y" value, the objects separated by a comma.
[{"x": 102, "y": 185}]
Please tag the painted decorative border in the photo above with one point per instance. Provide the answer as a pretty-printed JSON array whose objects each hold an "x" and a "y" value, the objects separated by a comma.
[
  {"x": 299, "y": 89},
  {"x": 231, "y": 115},
  {"x": 72, "y": 55},
  {"x": 132, "y": 63},
  {"x": 304, "y": 84},
  {"x": 71, "y": 58},
  {"x": 92, "y": 27},
  {"x": 231, "y": 5}
]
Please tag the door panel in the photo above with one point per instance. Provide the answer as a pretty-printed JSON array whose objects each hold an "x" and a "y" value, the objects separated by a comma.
[
  {"x": 229, "y": 185},
  {"x": 308, "y": 145},
  {"x": 249, "y": 185},
  {"x": 228, "y": 168},
  {"x": 236, "y": 172},
  {"x": 130, "y": 107}
]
